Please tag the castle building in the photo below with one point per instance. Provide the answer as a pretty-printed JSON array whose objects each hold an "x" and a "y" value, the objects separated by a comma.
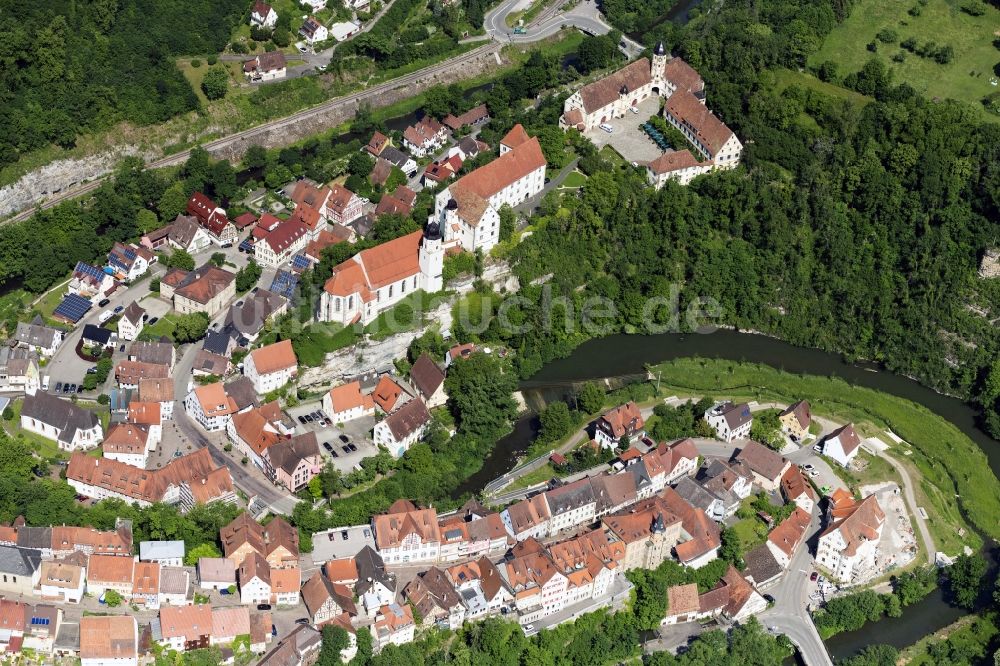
[{"x": 684, "y": 91}]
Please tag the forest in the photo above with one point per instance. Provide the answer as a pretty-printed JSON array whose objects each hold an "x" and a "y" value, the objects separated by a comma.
[{"x": 74, "y": 67}]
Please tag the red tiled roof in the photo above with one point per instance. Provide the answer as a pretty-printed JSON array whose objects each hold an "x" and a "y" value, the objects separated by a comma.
[
  {"x": 274, "y": 357},
  {"x": 683, "y": 75},
  {"x": 604, "y": 91},
  {"x": 376, "y": 267},
  {"x": 386, "y": 393},
  {"x": 673, "y": 160},
  {"x": 708, "y": 129},
  {"x": 505, "y": 170}
]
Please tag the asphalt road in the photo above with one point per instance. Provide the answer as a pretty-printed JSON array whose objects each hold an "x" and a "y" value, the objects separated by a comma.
[
  {"x": 789, "y": 614},
  {"x": 247, "y": 477}
]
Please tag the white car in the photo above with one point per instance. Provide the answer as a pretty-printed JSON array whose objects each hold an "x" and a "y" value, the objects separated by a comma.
[
  {"x": 817, "y": 448},
  {"x": 634, "y": 110},
  {"x": 607, "y": 128},
  {"x": 814, "y": 473},
  {"x": 106, "y": 315}
]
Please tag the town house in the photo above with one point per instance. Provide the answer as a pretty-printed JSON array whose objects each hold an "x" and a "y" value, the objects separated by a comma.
[
  {"x": 270, "y": 367},
  {"x": 407, "y": 534}
]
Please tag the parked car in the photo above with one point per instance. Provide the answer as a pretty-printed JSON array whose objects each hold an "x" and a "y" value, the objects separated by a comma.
[
  {"x": 58, "y": 387},
  {"x": 122, "y": 348},
  {"x": 104, "y": 301},
  {"x": 343, "y": 535},
  {"x": 607, "y": 128},
  {"x": 813, "y": 576},
  {"x": 302, "y": 620},
  {"x": 224, "y": 590},
  {"x": 352, "y": 447},
  {"x": 119, "y": 309},
  {"x": 326, "y": 445},
  {"x": 317, "y": 415},
  {"x": 70, "y": 388},
  {"x": 79, "y": 389},
  {"x": 308, "y": 418},
  {"x": 334, "y": 453},
  {"x": 263, "y": 607},
  {"x": 345, "y": 449},
  {"x": 817, "y": 448},
  {"x": 92, "y": 370},
  {"x": 302, "y": 420},
  {"x": 153, "y": 321},
  {"x": 814, "y": 473},
  {"x": 345, "y": 439},
  {"x": 807, "y": 466}
]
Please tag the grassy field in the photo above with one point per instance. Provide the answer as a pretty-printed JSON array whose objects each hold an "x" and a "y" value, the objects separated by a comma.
[
  {"x": 784, "y": 78},
  {"x": 946, "y": 461},
  {"x": 965, "y": 78},
  {"x": 573, "y": 180}
]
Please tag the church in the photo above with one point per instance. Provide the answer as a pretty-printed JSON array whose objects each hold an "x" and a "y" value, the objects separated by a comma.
[
  {"x": 683, "y": 88},
  {"x": 376, "y": 279}
]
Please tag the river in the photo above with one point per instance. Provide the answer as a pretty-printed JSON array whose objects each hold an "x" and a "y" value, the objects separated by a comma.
[{"x": 624, "y": 355}]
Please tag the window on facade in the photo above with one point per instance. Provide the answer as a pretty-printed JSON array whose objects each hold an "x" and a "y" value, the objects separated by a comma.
[{"x": 390, "y": 291}]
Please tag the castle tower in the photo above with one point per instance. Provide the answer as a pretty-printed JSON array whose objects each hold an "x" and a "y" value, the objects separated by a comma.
[
  {"x": 659, "y": 64},
  {"x": 431, "y": 259},
  {"x": 622, "y": 106}
]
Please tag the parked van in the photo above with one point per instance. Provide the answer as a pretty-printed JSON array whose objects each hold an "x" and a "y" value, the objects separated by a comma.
[
  {"x": 607, "y": 128},
  {"x": 106, "y": 315}
]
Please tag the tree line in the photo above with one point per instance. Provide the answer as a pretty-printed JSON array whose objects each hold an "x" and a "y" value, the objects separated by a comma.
[{"x": 77, "y": 67}]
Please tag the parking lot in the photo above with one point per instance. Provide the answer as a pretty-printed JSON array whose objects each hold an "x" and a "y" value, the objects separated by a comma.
[
  {"x": 626, "y": 138},
  {"x": 357, "y": 434}
]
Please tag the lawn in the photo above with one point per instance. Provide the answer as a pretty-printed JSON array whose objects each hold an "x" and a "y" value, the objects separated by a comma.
[
  {"x": 942, "y": 457},
  {"x": 573, "y": 180},
  {"x": 751, "y": 532},
  {"x": 540, "y": 475},
  {"x": 965, "y": 78},
  {"x": 163, "y": 327},
  {"x": 194, "y": 75}
]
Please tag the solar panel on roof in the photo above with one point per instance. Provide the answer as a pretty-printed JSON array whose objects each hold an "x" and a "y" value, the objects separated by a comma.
[
  {"x": 300, "y": 263},
  {"x": 84, "y": 268},
  {"x": 73, "y": 307},
  {"x": 284, "y": 283}
]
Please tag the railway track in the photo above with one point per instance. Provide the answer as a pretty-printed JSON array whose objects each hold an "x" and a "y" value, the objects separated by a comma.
[{"x": 270, "y": 126}]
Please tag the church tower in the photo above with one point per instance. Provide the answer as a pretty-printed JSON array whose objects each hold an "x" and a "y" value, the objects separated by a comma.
[
  {"x": 431, "y": 259},
  {"x": 659, "y": 63}
]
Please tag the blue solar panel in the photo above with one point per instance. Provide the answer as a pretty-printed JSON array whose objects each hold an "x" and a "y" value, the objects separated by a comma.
[
  {"x": 43, "y": 621},
  {"x": 84, "y": 268},
  {"x": 73, "y": 307},
  {"x": 300, "y": 263},
  {"x": 284, "y": 283}
]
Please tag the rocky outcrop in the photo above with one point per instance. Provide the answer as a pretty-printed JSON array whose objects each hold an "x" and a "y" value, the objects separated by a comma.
[{"x": 57, "y": 176}]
